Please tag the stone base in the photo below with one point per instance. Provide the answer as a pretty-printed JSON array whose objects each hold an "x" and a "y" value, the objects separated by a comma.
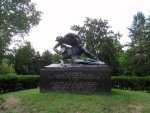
[{"x": 85, "y": 79}]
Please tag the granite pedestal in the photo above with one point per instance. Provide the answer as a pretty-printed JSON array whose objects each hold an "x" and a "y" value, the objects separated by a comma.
[{"x": 85, "y": 79}]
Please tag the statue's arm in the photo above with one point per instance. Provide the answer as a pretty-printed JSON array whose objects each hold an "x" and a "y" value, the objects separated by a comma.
[{"x": 55, "y": 48}]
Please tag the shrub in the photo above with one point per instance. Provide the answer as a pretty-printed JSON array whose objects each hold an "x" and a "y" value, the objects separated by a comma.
[
  {"x": 131, "y": 83},
  {"x": 6, "y": 70},
  {"x": 18, "y": 82}
]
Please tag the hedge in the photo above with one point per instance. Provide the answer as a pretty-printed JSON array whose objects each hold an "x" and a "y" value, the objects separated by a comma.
[
  {"x": 131, "y": 83},
  {"x": 18, "y": 82}
]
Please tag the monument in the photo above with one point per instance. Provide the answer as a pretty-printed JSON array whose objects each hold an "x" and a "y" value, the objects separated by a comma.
[{"x": 80, "y": 75}]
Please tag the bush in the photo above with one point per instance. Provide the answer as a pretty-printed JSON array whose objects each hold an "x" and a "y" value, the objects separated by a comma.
[
  {"x": 131, "y": 83},
  {"x": 6, "y": 70},
  {"x": 18, "y": 82}
]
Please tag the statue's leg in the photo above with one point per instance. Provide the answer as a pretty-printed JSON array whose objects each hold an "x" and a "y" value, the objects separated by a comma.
[{"x": 88, "y": 54}]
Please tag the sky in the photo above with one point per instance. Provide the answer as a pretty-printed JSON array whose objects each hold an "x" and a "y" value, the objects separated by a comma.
[{"x": 59, "y": 15}]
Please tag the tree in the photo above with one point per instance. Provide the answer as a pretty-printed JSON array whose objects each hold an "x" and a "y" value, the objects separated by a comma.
[
  {"x": 124, "y": 58},
  {"x": 24, "y": 59},
  {"x": 100, "y": 40},
  {"x": 46, "y": 58},
  {"x": 137, "y": 31},
  {"x": 37, "y": 63},
  {"x": 55, "y": 58},
  {"x": 139, "y": 59},
  {"x": 17, "y": 17}
]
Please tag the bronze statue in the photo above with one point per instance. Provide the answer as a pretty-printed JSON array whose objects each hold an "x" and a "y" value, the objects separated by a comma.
[{"x": 72, "y": 46}]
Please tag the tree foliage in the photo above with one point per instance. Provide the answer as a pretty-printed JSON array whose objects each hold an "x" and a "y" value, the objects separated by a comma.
[
  {"x": 139, "y": 52},
  {"x": 46, "y": 58},
  {"x": 37, "y": 63},
  {"x": 17, "y": 17},
  {"x": 100, "y": 40},
  {"x": 28, "y": 61},
  {"x": 24, "y": 59},
  {"x": 55, "y": 58},
  {"x": 6, "y": 68}
]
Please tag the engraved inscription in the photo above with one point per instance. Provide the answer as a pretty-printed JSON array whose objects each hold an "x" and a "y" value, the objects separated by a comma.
[
  {"x": 73, "y": 82},
  {"x": 73, "y": 75},
  {"x": 85, "y": 87}
]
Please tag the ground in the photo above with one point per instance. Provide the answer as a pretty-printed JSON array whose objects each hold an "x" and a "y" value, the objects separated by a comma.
[{"x": 32, "y": 101}]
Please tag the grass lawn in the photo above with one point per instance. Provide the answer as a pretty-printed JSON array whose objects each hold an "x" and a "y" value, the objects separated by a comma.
[{"x": 32, "y": 101}]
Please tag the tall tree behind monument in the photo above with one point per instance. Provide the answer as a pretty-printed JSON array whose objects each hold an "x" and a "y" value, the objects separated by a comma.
[
  {"x": 101, "y": 41},
  {"x": 17, "y": 17},
  {"x": 139, "y": 51}
]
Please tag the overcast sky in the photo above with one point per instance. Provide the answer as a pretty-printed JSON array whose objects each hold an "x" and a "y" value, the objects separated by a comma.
[{"x": 59, "y": 15}]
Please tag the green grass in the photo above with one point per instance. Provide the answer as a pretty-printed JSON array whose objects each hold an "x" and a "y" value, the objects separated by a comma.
[{"x": 32, "y": 101}]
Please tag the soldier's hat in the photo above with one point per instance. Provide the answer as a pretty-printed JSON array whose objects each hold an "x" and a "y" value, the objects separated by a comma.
[{"x": 58, "y": 38}]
